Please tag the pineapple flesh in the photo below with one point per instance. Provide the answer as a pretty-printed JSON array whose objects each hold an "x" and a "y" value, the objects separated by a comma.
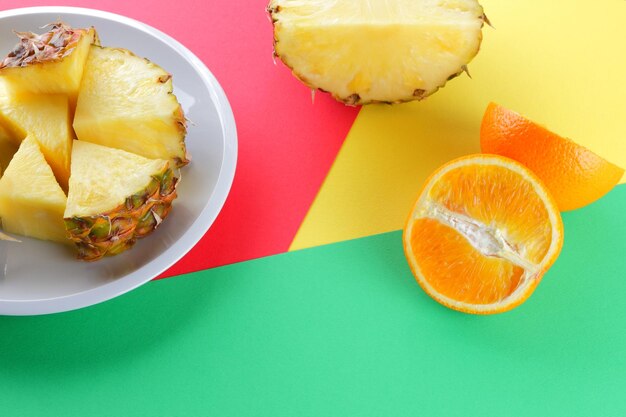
[
  {"x": 7, "y": 148},
  {"x": 50, "y": 63},
  {"x": 126, "y": 102},
  {"x": 114, "y": 198},
  {"x": 31, "y": 201},
  {"x": 47, "y": 118},
  {"x": 364, "y": 51}
]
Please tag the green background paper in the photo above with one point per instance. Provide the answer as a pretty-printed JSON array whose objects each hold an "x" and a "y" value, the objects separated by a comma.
[{"x": 340, "y": 330}]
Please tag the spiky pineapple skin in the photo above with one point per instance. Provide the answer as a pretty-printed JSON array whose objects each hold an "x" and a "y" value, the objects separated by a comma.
[
  {"x": 116, "y": 231},
  {"x": 274, "y": 10},
  {"x": 50, "y": 63},
  {"x": 155, "y": 138}
]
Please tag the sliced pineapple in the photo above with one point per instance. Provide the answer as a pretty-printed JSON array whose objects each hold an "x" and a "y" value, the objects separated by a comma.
[
  {"x": 126, "y": 102},
  {"x": 31, "y": 201},
  {"x": 50, "y": 63},
  {"x": 47, "y": 118},
  {"x": 114, "y": 198},
  {"x": 364, "y": 51},
  {"x": 7, "y": 148}
]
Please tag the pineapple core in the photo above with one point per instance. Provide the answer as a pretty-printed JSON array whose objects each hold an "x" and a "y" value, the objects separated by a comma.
[{"x": 364, "y": 51}]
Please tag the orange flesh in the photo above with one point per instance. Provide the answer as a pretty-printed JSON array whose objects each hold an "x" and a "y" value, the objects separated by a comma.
[
  {"x": 501, "y": 202},
  {"x": 500, "y": 199},
  {"x": 456, "y": 269}
]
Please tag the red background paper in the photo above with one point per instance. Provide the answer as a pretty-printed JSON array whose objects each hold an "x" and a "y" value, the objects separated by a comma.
[{"x": 287, "y": 144}]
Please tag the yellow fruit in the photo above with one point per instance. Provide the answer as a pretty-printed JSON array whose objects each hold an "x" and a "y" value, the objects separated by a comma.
[
  {"x": 365, "y": 51},
  {"x": 132, "y": 132},
  {"x": 482, "y": 233},
  {"x": 7, "y": 148},
  {"x": 50, "y": 63},
  {"x": 115, "y": 197},
  {"x": 126, "y": 102},
  {"x": 46, "y": 117},
  {"x": 31, "y": 201}
]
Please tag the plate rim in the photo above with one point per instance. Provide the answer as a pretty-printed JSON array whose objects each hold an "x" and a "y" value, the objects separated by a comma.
[{"x": 197, "y": 229}]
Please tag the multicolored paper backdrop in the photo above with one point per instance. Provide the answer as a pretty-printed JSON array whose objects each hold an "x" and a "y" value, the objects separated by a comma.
[
  {"x": 539, "y": 60},
  {"x": 343, "y": 329}
]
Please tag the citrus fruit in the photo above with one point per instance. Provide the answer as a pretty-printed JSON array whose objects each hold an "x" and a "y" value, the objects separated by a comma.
[
  {"x": 574, "y": 175},
  {"x": 482, "y": 233}
]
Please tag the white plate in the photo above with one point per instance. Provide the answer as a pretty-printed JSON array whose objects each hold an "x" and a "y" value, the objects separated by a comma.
[{"x": 45, "y": 278}]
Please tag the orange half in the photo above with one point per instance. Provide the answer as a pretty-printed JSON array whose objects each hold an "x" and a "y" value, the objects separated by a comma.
[
  {"x": 574, "y": 175},
  {"x": 482, "y": 233}
]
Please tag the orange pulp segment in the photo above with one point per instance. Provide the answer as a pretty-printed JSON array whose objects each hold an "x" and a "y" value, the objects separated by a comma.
[{"x": 482, "y": 233}]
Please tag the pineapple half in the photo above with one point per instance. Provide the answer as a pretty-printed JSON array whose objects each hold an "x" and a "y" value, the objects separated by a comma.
[
  {"x": 31, "y": 201},
  {"x": 364, "y": 51},
  {"x": 47, "y": 117},
  {"x": 114, "y": 198},
  {"x": 126, "y": 102},
  {"x": 50, "y": 63}
]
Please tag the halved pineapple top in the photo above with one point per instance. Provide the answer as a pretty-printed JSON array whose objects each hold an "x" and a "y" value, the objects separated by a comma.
[
  {"x": 47, "y": 117},
  {"x": 365, "y": 51},
  {"x": 126, "y": 102},
  {"x": 31, "y": 200},
  {"x": 50, "y": 63},
  {"x": 103, "y": 178}
]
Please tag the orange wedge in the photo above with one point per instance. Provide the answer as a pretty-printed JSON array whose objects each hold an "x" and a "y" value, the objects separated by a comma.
[
  {"x": 482, "y": 233},
  {"x": 575, "y": 175}
]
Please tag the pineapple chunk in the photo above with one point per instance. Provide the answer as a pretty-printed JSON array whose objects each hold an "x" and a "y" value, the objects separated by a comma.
[
  {"x": 365, "y": 51},
  {"x": 47, "y": 118},
  {"x": 51, "y": 63},
  {"x": 7, "y": 148},
  {"x": 114, "y": 198},
  {"x": 31, "y": 201},
  {"x": 126, "y": 102}
]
